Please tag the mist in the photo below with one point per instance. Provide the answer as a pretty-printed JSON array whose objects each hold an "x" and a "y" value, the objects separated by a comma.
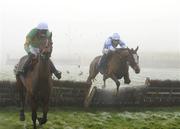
[{"x": 80, "y": 27}]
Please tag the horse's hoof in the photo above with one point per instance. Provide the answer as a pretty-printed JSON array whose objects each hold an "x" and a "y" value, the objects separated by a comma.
[
  {"x": 103, "y": 86},
  {"x": 127, "y": 81},
  {"x": 115, "y": 94},
  {"x": 118, "y": 83},
  {"x": 21, "y": 116},
  {"x": 89, "y": 82},
  {"x": 34, "y": 127},
  {"x": 42, "y": 121}
]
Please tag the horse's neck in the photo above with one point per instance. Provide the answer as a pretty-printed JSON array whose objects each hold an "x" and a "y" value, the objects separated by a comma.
[
  {"x": 116, "y": 61},
  {"x": 120, "y": 56}
]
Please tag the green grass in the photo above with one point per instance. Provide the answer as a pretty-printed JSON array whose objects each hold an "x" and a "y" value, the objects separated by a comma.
[{"x": 101, "y": 118}]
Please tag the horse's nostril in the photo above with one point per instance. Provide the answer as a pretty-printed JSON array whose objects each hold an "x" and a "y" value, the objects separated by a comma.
[{"x": 137, "y": 71}]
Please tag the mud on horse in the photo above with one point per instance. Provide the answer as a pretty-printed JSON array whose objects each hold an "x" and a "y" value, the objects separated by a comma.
[
  {"x": 36, "y": 85},
  {"x": 117, "y": 67}
]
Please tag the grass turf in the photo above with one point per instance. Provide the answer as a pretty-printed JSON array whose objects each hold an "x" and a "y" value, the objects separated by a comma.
[{"x": 96, "y": 118}]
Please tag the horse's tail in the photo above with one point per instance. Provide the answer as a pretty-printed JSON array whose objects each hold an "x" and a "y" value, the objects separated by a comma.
[{"x": 93, "y": 70}]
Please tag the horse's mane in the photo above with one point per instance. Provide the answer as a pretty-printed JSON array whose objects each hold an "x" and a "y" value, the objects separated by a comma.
[{"x": 122, "y": 51}]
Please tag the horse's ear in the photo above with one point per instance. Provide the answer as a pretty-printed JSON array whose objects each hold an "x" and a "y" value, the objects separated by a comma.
[
  {"x": 129, "y": 50},
  {"x": 137, "y": 48}
]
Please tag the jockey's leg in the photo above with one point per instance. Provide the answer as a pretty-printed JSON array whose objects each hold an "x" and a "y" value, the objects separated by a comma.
[
  {"x": 54, "y": 70},
  {"x": 103, "y": 62}
]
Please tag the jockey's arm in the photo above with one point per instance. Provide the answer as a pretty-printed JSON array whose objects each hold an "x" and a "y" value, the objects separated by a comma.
[
  {"x": 108, "y": 46},
  {"x": 111, "y": 48},
  {"x": 33, "y": 50},
  {"x": 29, "y": 38},
  {"x": 106, "y": 50},
  {"x": 26, "y": 45},
  {"x": 29, "y": 48},
  {"x": 122, "y": 44}
]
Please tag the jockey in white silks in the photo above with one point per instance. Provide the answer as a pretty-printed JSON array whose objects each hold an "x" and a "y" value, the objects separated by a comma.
[{"x": 110, "y": 45}]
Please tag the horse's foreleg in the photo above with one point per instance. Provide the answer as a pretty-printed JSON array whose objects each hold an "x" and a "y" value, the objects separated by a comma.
[
  {"x": 43, "y": 120},
  {"x": 34, "y": 112},
  {"x": 114, "y": 78},
  {"x": 34, "y": 117},
  {"x": 104, "y": 80},
  {"x": 91, "y": 76},
  {"x": 126, "y": 78}
]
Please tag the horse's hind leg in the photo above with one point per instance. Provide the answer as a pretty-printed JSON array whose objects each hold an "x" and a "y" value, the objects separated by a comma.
[
  {"x": 91, "y": 76},
  {"x": 22, "y": 91},
  {"x": 89, "y": 80}
]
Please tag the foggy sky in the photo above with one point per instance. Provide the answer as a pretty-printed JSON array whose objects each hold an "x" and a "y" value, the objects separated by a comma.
[{"x": 80, "y": 27}]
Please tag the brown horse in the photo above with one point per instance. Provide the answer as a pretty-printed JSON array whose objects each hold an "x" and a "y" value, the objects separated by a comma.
[
  {"x": 117, "y": 67},
  {"x": 36, "y": 84}
]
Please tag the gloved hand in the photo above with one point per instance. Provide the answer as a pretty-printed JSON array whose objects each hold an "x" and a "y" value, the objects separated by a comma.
[
  {"x": 105, "y": 51},
  {"x": 33, "y": 50},
  {"x": 31, "y": 56}
]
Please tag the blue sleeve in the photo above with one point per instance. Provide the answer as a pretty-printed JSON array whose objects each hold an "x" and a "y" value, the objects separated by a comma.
[
  {"x": 107, "y": 44},
  {"x": 122, "y": 44}
]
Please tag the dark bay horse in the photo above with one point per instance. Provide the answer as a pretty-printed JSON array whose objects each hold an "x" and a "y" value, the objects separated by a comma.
[
  {"x": 117, "y": 67},
  {"x": 36, "y": 84}
]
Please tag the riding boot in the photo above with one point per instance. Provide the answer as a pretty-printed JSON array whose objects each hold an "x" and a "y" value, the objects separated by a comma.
[
  {"x": 103, "y": 63},
  {"x": 54, "y": 70}
]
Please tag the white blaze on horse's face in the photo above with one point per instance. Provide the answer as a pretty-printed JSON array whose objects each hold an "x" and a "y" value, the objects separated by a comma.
[{"x": 135, "y": 56}]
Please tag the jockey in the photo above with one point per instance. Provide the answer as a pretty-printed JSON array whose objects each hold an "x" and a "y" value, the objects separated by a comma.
[
  {"x": 109, "y": 46},
  {"x": 31, "y": 46}
]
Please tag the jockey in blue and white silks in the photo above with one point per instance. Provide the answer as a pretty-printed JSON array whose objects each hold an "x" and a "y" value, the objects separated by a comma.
[
  {"x": 112, "y": 42},
  {"x": 110, "y": 45}
]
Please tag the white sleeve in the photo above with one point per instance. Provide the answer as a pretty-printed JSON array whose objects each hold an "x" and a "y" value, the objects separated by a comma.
[
  {"x": 112, "y": 48},
  {"x": 105, "y": 51},
  {"x": 33, "y": 50},
  {"x": 106, "y": 46}
]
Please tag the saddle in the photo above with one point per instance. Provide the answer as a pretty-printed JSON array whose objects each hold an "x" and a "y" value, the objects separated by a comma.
[{"x": 19, "y": 67}]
